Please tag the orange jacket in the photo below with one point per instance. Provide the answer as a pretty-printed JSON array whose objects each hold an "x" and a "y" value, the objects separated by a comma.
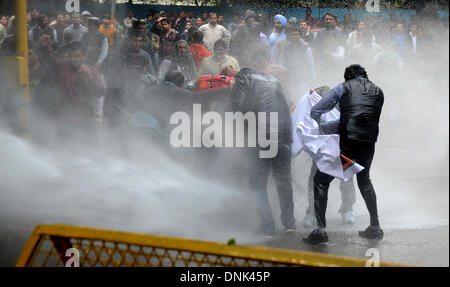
[
  {"x": 109, "y": 33},
  {"x": 199, "y": 53}
]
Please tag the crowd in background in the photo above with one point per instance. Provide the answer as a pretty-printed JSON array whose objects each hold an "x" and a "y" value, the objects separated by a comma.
[{"x": 77, "y": 62}]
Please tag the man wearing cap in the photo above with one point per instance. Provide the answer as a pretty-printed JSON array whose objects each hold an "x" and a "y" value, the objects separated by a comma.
[
  {"x": 85, "y": 15},
  {"x": 74, "y": 32},
  {"x": 278, "y": 33}
]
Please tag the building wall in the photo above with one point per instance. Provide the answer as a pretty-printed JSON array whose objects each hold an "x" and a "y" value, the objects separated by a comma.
[{"x": 140, "y": 10}]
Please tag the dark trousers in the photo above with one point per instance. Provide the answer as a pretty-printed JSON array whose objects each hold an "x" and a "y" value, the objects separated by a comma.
[
  {"x": 281, "y": 171},
  {"x": 362, "y": 153},
  {"x": 348, "y": 193}
]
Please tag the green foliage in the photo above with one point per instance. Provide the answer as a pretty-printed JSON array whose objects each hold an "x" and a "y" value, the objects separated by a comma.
[{"x": 231, "y": 242}]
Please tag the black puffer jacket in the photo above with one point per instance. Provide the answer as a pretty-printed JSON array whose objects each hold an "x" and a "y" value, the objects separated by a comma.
[
  {"x": 361, "y": 105},
  {"x": 259, "y": 92}
]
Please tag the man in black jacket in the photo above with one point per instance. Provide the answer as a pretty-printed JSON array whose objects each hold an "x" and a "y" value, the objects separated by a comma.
[
  {"x": 256, "y": 92},
  {"x": 360, "y": 102}
]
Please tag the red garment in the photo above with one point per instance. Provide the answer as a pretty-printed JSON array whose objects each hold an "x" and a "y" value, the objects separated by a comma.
[
  {"x": 199, "y": 53},
  {"x": 81, "y": 91},
  {"x": 208, "y": 82}
]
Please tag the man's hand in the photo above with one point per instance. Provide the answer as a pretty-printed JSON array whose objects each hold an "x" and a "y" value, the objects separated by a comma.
[
  {"x": 85, "y": 71},
  {"x": 232, "y": 83},
  {"x": 44, "y": 40},
  {"x": 292, "y": 107},
  {"x": 229, "y": 71}
]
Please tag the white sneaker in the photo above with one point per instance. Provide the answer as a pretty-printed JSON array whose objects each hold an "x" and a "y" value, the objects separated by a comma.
[
  {"x": 347, "y": 217},
  {"x": 309, "y": 220}
]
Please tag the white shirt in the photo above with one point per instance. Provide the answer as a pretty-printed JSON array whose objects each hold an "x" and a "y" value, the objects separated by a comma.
[
  {"x": 2, "y": 33},
  {"x": 414, "y": 39},
  {"x": 128, "y": 22},
  {"x": 213, "y": 33}
]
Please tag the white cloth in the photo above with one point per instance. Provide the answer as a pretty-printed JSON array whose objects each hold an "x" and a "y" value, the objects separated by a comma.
[
  {"x": 414, "y": 40},
  {"x": 323, "y": 149}
]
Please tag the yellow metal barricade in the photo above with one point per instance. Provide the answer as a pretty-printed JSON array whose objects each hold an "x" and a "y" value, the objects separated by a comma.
[{"x": 48, "y": 244}]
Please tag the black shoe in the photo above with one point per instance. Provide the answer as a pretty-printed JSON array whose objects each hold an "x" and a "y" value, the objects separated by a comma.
[
  {"x": 372, "y": 232},
  {"x": 319, "y": 235}
]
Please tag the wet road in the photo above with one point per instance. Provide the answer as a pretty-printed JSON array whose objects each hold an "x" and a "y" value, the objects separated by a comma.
[{"x": 413, "y": 208}]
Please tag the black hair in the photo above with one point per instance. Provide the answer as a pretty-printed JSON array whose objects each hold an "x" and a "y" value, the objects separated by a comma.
[
  {"x": 354, "y": 71},
  {"x": 197, "y": 37},
  {"x": 135, "y": 61},
  {"x": 221, "y": 43},
  {"x": 75, "y": 46},
  {"x": 255, "y": 29},
  {"x": 40, "y": 19},
  {"x": 174, "y": 77},
  {"x": 167, "y": 21},
  {"x": 291, "y": 28},
  {"x": 329, "y": 14},
  {"x": 322, "y": 90}
]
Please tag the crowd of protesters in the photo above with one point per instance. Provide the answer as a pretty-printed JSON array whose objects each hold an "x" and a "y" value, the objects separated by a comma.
[
  {"x": 95, "y": 70},
  {"x": 301, "y": 50}
]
